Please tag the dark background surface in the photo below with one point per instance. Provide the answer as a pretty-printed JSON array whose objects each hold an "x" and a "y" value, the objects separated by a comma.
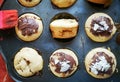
[{"x": 81, "y": 44}]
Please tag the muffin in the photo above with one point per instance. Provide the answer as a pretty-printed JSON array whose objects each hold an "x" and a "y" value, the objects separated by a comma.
[
  {"x": 63, "y": 3},
  {"x": 29, "y": 27},
  {"x": 100, "y": 27},
  {"x": 29, "y": 3},
  {"x": 63, "y": 63},
  {"x": 100, "y": 63},
  {"x": 103, "y": 2},
  {"x": 64, "y": 28},
  {"x": 28, "y": 62}
]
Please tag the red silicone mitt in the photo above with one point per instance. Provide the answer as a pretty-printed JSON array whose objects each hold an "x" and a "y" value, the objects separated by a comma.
[
  {"x": 8, "y": 18},
  {"x": 1, "y": 2}
]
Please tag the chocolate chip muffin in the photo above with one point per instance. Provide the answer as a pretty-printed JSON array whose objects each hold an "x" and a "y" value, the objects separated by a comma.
[
  {"x": 63, "y": 63},
  {"x": 29, "y": 3},
  {"x": 29, "y": 27},
  {"x": 64, "y": 28},
  {"x": 100, "y": 63},
  {"x": 28, "y": 62},
  {"x": 63, "y": 3},
  {"x": 100, "y": 27}
]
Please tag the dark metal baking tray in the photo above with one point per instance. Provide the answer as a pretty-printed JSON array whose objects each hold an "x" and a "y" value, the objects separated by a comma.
[{"x": 81, "y": 44}]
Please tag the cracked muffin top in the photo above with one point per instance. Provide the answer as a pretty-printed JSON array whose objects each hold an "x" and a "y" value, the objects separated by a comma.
[{"x": 28, "y": 62}]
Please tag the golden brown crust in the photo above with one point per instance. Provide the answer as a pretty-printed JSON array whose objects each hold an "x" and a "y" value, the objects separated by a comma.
[
  {"x": 33, "y": 36},
  {"x": 64, "y": 28},
  {"x": 88, "y": 60},
  {"x": 98, "y": 38},
  {"x": 63, "y": 3},
  {"x": 29, "y": 3}
]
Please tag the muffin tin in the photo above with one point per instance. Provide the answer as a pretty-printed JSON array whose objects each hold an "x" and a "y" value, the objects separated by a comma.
[{"x": 81, "y": 44}]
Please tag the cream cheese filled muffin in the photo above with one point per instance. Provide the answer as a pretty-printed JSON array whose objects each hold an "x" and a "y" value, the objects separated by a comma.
[
  {"x": 29, "y": 27},
  {"x": 63, "y": 63},
  {"x": 100, "y": 27},
  {"x": 100, "y": 63},
  {"x": 63, "y": 3},
  {"x": 28, "y": 62}
]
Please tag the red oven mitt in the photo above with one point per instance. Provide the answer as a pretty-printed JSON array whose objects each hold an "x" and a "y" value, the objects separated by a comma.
[
  {"x": 1, "y": 2},
  {"x": 4, "y": 76},
  {"x": 8, "y": 18}
]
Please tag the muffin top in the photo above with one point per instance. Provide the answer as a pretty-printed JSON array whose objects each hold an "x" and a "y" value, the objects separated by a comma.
[
  {"x": 28, "y": 62},
  {"x": 63, "y": 3},
  {"x": 28, "y": 25},
  {"x": 101, "y": 26},
  {"x": 100, "y": 63},
  {"x": 63, "y": 63}
]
